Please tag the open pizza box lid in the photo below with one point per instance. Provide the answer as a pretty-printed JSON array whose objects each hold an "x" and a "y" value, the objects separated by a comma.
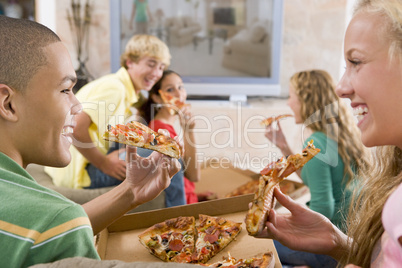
[
  {"x": 224, "y": 179},
  {"x": 120, "y": 240}
]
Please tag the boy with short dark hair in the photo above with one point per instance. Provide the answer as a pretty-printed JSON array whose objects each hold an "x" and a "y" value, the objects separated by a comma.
[{"x": 37, "y": 109}]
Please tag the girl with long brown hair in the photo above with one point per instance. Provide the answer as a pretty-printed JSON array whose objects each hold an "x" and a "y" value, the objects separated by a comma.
[
  {"x": 373, "y": 82},
  {"x": 330, "y": 175}
]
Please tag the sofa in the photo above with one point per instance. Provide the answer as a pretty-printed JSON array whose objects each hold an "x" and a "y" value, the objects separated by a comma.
[
  {"x": 249, "y": 50},
  {"x": 181, "y": 30},
  {"x": 81, "y": 262},
  {"x": 82, "y": 196}
]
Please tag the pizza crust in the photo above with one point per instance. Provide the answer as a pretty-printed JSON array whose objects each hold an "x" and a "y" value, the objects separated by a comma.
[{"x": 270, "y": 178}]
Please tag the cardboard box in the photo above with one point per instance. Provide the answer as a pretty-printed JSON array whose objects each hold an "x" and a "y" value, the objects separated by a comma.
[
  {"x": 120, "y": 240},
  {"x": 224, "y": 180}
]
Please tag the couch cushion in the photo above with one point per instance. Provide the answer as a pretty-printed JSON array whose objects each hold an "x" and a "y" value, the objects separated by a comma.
[
  {"x": 169, "y": 22},
  {"x": 241, "y": 43},
  {"x": 82, "y": 196},
  {"x": 81, "y": 262},
  {"x": 257, "y": 33},
  {"x": 187, "y": 21},
  {"x": 79, "y": 196},
  {"x": 178, "y": 22}
]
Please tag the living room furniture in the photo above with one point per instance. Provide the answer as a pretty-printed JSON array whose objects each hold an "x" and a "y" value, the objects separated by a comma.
[
  {"x": 210, "y": 36},
  {"x": 82, "y": 196},
  {"x": 249, "y": 50},
  {"x": 181, "y": 30}
]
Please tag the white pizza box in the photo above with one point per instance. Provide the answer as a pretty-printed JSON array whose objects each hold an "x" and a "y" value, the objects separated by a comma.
[{"x": 120, "y": 240}]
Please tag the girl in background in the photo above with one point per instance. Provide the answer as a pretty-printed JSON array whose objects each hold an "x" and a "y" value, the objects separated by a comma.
[
  {"x": 141, "y": 15},
  {"x": 373, "y": 83},
  {"x": 158, "y": 116}
]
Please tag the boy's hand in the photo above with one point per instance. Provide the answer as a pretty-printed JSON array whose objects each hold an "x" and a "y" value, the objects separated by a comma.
[{"x": 148, "y": 177}]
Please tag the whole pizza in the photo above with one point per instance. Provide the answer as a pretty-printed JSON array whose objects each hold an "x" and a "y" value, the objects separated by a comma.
[{"x": 180, "y": 240}]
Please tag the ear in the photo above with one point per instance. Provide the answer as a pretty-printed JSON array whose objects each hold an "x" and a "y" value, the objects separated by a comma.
[
  {"x": 7, "y": 109},
  {"x": 129, "y": 63}
]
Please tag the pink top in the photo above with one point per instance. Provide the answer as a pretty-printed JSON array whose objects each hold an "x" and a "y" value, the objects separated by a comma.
[{"x": 390, "y": 255}]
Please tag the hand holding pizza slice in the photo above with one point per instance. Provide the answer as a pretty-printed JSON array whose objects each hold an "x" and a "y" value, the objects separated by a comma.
[{"x": 270, "y": 178}]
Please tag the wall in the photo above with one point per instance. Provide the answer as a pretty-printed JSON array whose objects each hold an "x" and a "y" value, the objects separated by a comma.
[
  {"x": 312, "y": 36},
  {"x": 99, "y": 35}
]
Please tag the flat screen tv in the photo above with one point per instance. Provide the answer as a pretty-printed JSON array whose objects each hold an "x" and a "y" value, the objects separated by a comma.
[
  {"x": 222, "y": 49},
  {"x": 224, "y": 15}
]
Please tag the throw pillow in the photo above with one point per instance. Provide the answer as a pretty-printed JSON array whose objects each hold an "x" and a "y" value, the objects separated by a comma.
[{"x": 257, "y": 33}]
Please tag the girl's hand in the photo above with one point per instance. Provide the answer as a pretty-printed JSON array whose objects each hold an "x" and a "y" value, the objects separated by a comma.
[
  {"x": 186, "y": 117},
  {"x": 302, "y": 229},
  {"x": 274, "y": 133}
]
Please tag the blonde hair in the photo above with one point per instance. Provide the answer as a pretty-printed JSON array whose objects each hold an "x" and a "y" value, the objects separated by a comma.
[
  {"x": 390, "y": 10},
  {"x": 322, "y": 110},
  {"x": 145, "y": 45},
  {"x": 365, "y": 225}
]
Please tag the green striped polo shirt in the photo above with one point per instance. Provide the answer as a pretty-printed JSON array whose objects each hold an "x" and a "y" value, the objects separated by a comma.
[{"x": 38, "y": 225}]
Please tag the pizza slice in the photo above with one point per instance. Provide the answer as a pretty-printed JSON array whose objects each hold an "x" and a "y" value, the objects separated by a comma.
[
  {"x": 214, "y": 234},
  {"x": 270, "y": 178},
  {"x": 136, "y": 134},
  {"x": 268, "y": 121},
  {"x": 250, "y": 187},
  {"x": 175, "y": 103},
  {"x": 172, "y": 240},
  {"x": 265, "y": 261}
]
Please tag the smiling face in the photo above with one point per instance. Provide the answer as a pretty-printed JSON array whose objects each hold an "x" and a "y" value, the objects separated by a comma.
[
  {"x": 372, "y": 81},
  {"x": 46, "y": 111},
  {"x": 145, "y": 73},
  {"x": 173, "y": 85}
]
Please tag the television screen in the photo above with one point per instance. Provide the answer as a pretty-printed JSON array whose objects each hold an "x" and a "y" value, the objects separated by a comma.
[
  {"x": 220, "y": 48},
  {"x": 224, "y": 15}
]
